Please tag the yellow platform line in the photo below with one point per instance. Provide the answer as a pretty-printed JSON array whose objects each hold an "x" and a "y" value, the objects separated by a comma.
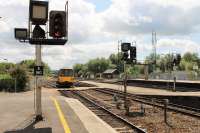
[{"x": 61, "y": 116}]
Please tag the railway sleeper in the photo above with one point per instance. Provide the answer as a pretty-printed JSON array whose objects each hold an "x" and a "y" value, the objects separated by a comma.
[{"x": 157, "y": 103}]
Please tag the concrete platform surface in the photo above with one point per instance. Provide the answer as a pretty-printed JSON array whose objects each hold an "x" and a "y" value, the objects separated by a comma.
[
  {"x": 61, "y": 115},
  {"x": 90, "y": 121},
  {"x": 142, "y": 90}
]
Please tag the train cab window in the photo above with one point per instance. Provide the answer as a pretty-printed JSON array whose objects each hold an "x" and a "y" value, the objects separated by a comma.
[{"x": 66, "y": 72}]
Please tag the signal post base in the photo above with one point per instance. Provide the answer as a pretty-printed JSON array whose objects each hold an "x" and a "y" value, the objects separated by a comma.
[{"x": 39, "y": 118}]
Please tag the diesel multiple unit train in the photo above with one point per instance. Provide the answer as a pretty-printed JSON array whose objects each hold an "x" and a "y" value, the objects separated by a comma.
[{"x": 65, "y": 77}]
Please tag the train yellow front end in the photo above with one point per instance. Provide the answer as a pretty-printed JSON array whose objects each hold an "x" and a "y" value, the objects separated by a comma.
[{"x": 65, "y": 77}]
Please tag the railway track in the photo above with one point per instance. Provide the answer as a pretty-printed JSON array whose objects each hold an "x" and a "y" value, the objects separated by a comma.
[
  {"x": 51, "y": 84},
  {"x": 194, "y": 112},
  {"x": 117, "y": 122},
  {"x": 151, "y": 120}
]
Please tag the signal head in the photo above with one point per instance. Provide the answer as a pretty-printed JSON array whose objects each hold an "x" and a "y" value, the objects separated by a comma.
[
  {"x": 57, "y": 24},
  {"x": 125, "y": 47},
  {"x": 133, "y": 53},
  {"x": 38, "y": 12}
]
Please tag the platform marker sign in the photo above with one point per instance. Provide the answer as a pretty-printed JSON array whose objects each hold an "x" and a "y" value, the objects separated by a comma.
[{"x": 38, "y": 70}]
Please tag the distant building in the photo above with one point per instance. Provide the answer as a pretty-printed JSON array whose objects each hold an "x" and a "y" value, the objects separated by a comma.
[{"x": 110, "y": 74}]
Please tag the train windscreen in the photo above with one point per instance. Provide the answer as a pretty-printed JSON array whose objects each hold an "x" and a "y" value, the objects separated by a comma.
[{"x": 66, "y": 72}]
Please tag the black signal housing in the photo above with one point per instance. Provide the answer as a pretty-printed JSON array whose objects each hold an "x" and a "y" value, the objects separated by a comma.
[{"x": 57, "y": 24}]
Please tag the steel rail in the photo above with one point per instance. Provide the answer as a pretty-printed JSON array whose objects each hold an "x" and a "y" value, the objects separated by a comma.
[
  {"x": 157, "y": 102},
  {"x": 171, "y": 107},
  {"x": 135, "y": 128}
]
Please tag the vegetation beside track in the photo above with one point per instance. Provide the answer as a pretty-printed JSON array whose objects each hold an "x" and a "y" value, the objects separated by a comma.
[
  {"x": 15, "y": 77},
  {"x": 99, "y": 65}
]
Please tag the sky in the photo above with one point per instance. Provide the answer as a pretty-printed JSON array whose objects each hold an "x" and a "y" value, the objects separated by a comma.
[{"x": 96, "y": 26}]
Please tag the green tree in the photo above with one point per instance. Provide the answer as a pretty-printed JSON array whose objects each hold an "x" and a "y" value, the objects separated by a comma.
[
  {"x": 114, "y": 59},
  {"x": 84, "y": 70},
  {"x": 151, "y": 61},
  {"x": 6, "y": 67},
  {"x": 134, "y": 71},
  {"x": 98, "y": 65},
  {"x": 29, "y": 65},
  {"x": 79, "y": 69},
  {"x": 47, "y": 69},
  {"x": 19, "y": 73},
  {"x": 163, "y": 63},
  {"x": 166, "y": 63},
  {"x": 116, "y": 62},
  {"x": 189, "y": 60},
  {"x": 190, "y": 57}
]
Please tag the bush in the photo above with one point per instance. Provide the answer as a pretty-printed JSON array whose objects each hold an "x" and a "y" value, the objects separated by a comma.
[
  {"x": 7, "y": 84},
  {"x": 19, "y": 73},
  {"x": 5, "y": 76}
]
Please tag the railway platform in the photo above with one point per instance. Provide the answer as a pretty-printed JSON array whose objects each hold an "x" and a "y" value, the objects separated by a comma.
[
  {"x": 61, "y": 115},
  {"x": 143, "y": 90}
]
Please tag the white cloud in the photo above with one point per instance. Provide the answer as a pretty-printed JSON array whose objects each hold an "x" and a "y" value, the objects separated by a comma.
[
  {"x": 184, "y": 4},
  {"x": 95, "y": 34},
  {"x": 7, "y": 3},
  {"x": 177, "y": 45},
  {"x": 141, "y": 17},
  {"x": 4, "y": 26},
  {"x": 66, "y": 56}
]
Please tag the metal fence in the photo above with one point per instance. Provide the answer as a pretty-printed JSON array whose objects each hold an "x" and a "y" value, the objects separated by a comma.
[{"x": 180, "y": 75}]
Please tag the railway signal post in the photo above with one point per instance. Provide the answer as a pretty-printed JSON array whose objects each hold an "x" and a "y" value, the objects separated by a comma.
[
  {"x": 176, "y": 59},
  {"x": 125, "y": 89},
  {"x": 38, "y": 84},
  {"x": 38, "y": 18},
  {"x": 129, "y": 57},
  {"x": 125, "y": 47},
  {"x": 38, "y": 15}
]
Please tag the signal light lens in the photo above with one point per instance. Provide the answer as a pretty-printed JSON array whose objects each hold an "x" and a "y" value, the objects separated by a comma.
[
  {"x": 125, "y": 47},
  {"x": 57, "y": 34}
]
